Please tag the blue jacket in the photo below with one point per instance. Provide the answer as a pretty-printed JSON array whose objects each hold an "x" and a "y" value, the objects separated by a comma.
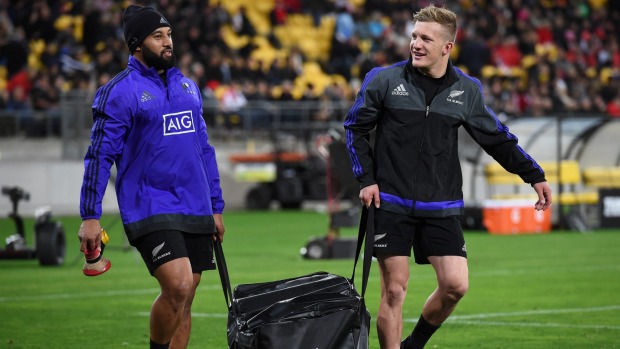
[{"x": 167, "y": 175}]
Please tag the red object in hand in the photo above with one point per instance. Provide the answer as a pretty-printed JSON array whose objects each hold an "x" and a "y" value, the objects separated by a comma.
[{"x": 96, "y": 264}]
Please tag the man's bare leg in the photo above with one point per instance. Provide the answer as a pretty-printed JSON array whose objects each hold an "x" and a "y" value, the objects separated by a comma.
[
  {"x": 176, "y": 282},
  {"x": 394, "y": 272}
]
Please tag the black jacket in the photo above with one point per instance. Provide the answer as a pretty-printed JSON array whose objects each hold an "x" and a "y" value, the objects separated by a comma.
[{"x": 415, "y": 160}]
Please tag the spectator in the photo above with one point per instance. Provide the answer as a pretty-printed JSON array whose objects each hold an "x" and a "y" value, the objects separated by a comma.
[
  {"x": 106, "y": 63},
  {"x": 345, "y": 25},
  {"x": 473, "y": 53},
  {"x": 44, "y": 95},
  {"x": 241, "y": 23},
  {"x": 213, "y": 69},
  {"x": 507, "y": 54},
  {"x": 613, "y": 107},
  {"x": 45, "y": 104},
  {"x": 232, "y": 103},
  {"x": 343, "y": 56},
  {"x": 239, "y": 69},
  {"x": 316, "y": 9},
  {"x": 14, "y": 52},
  {"x": 539, "y": 102},
  {"x": 258, "y": 116},
  {"x": 18, "y": 89},
  {"x": 40, "y": 24},
  {"x": 281, "y": 70},
  {"x": 277, "y": 16}
]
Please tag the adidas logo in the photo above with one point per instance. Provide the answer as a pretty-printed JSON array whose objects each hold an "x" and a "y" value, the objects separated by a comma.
[
  {"x": 146, "y": 96},
  {"x": 400, "y": 91},
  {"x": 163, "y": 20},
  {"x": 186, "y": 88}
]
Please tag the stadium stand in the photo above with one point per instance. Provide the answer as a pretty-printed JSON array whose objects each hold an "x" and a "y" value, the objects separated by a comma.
[
  {"x": 532, "y": 57},
  {"x": 537, "y": 61}
]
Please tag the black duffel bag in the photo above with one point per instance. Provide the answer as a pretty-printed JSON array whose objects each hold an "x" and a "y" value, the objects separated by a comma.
[{"x": 319, "y": 310}]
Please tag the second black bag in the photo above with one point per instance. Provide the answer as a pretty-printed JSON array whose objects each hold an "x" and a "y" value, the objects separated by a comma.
[{"x": 319, "y": 310}]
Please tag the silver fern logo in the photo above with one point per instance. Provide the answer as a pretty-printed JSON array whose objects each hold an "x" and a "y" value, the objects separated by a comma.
[
  {"x": 453, "y": 94},
  {"x": 158, "y": 248}
]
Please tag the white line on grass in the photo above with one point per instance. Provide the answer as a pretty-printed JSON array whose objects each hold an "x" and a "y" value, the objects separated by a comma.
[
  {"x": 72, "y": 296},
  {"x": 464, "y": 319},
  {"x": 534, "y": 312},
  {"x": 534, "y": 324},
  {"x": 544, "y": 270}
]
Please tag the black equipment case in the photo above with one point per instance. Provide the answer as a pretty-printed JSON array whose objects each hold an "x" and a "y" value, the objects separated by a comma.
[{"x": 319, "y": 310}]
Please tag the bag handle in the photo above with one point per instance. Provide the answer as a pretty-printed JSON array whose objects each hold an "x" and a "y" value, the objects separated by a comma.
[
  {"x": 367, "y": 229},
  {"x": 223, "y": 271}
]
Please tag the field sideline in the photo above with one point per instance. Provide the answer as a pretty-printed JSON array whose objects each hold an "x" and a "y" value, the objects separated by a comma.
[{"x": 557, "y": 290}]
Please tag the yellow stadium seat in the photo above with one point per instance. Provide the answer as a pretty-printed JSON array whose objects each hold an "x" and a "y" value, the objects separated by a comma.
[
  {"x": 63, "y": 22},
  {"x": 232, "y": 40},
  {"x": 488, "y": 71},
  {"x": 598, "y": 4},
  {"x": 34, "y": 62},
  {"x": 569, "y": 174},
  {"x": 602, "y": 177},
  {"x": 276, "y": 92},
  {"x": 528, "y": 61},
  {"x": 569, "y": 171},
  {"x": 605, "y": 75},
  {"x": 497, "y": 175}
]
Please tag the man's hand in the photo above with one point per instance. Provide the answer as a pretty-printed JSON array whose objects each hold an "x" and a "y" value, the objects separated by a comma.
[
  {"x": 89, "y": 235},
  {"x": 368, "y": 194},
  {"x": 544, "y": 196},
  {"x": 219, "y": 227}
]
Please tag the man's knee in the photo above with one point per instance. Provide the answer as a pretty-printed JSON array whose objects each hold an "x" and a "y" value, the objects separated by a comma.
[
  {"x": 395, "y": 294},
  {"x": 177, "y": 291},
  {"x": 455, "y": 290}
]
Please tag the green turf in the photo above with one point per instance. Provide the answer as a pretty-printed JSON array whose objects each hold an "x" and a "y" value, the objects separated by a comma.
[{"x": 557, "y": 290}]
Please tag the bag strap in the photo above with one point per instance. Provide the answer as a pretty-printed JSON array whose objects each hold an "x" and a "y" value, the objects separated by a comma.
[
  {"x": 223, "y": 271},
  {"x": 367, "y": 229},
  {"x": 366, "y": 232}
]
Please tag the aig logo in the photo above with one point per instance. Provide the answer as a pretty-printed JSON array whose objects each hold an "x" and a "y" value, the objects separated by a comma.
[{"x": 177, "y": 123}]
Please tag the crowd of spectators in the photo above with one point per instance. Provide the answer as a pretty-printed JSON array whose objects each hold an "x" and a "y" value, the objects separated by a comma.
[{"x": 532, "y": 57}]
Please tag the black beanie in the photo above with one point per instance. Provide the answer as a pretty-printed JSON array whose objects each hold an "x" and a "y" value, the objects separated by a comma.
[{"x": 139, "y": 22}]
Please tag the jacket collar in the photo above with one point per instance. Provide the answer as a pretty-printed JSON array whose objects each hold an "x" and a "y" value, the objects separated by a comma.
[
  {"x": 136, "y": 65},
  {"x": 450, "y": 77}
]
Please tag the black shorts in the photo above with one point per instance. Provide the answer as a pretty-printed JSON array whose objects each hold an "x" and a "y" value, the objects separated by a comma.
[
  {"x": 163, "y": 246},
  {"x": 396, "y": 234}
]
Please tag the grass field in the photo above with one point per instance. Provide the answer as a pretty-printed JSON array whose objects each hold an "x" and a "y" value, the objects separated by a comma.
[{"x": 558, "y": 290}]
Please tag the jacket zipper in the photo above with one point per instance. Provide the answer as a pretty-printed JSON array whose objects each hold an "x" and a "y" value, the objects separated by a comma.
[{"x": 415, "y": 177}]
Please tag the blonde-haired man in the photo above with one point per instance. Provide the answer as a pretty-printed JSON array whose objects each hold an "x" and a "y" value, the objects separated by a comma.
[{"x": 412, "y": 174}]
